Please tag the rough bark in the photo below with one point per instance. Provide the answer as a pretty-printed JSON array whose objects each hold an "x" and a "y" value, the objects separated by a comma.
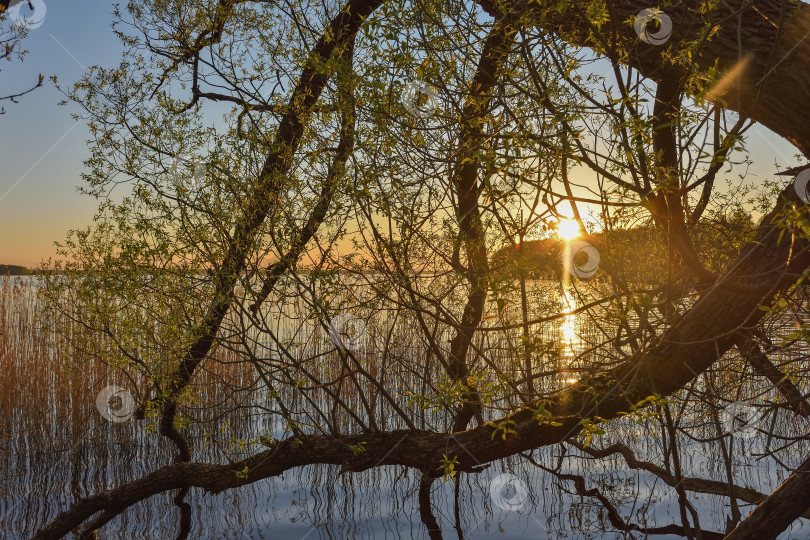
[
  {"x": 690, "y": 347},
  {"x": 467, "y": 188},
  {"x": 313, "y": 79},
  {"x": 753, "y": 354},
  {"x": 767, "y": 39},
  {"x": 771, "y": 88},
  {"x": 697, "y": 485},
  {"x": 779, "y": 510}
]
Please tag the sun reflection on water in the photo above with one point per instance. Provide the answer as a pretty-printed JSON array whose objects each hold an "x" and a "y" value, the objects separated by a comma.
[{"x": 568, "y": 331}]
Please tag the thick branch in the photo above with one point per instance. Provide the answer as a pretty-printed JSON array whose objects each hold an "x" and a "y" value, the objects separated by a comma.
[
  {"x": 468, "y": 190},
  {"x": 316, "y": 217},
  {"x": 689, "y": 348},
  {"x": 753, "y": 354},
  {"x": 779, "y": 510},
  {"x": 313, "y": 79},
  {"x": 766, "y": 40},
  {"x": 697, "y": 485}
]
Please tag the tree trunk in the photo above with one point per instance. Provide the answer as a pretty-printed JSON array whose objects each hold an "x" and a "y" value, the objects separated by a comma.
[
  {"x": 766, "y": 40},
  {"x": 779, "y": 510},
  {"x": 769, "y": 48},
  {"x": 690, "y": 347}
]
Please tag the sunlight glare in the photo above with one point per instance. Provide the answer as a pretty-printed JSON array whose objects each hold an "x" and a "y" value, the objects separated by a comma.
[
  {"x": 568, "y": 229},
  {"x": 568, "y": 328}
]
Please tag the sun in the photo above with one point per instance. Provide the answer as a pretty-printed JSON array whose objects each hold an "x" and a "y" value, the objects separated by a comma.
[{"x": 568, "y": 229}]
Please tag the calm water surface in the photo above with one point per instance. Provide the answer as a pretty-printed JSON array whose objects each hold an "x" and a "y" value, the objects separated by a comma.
[{"x": 55, "y": 448}]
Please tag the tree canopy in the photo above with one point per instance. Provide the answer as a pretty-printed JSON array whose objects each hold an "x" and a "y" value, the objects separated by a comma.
[{"x": 323, "y": 194}]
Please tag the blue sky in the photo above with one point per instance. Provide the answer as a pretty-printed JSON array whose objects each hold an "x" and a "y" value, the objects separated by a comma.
[{"x": 42, "y": 148}]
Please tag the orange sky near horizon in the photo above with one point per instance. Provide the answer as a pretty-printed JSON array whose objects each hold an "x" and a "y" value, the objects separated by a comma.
[{"x": 42, "y": 148}]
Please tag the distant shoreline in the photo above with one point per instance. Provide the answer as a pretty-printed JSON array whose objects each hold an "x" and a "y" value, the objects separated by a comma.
[{"x": 14, "y": 270}]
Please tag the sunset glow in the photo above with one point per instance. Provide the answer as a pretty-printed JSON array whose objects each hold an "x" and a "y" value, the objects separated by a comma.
[{"x": 568, "y": 229}]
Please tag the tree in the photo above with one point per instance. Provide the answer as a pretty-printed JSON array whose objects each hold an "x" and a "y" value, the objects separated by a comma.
[
  {"x": 12, "y": 31},
  {"x": 317, "y": 155}
]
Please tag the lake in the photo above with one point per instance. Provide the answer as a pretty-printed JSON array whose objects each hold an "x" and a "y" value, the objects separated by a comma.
[{"x": 56, "y": 447}]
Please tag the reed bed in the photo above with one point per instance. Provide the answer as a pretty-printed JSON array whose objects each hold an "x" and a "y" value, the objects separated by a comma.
[{"x": 55, "y": 446}]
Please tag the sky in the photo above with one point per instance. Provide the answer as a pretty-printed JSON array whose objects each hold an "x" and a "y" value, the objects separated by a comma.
[{"x": 42, "y": 149}]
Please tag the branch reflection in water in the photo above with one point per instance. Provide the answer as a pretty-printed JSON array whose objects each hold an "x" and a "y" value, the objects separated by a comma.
[{"x": 55, "y": 448}]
